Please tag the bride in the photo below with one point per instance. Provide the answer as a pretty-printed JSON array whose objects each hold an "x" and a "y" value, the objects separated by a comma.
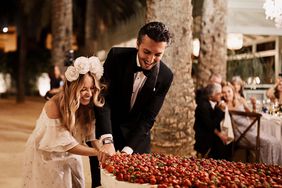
[{"x": 271, "y": 148}]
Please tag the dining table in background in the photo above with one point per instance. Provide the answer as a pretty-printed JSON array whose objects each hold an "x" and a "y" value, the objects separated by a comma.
[{"x": 272, "y": 125}]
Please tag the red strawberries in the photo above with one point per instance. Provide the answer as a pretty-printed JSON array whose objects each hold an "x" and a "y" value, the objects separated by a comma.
[{"x": 175, "y": 171}]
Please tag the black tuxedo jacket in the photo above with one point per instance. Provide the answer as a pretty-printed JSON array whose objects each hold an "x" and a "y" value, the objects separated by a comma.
[
  {"x": 131, "y": 127},
  {"x": 207, "y": 120}
]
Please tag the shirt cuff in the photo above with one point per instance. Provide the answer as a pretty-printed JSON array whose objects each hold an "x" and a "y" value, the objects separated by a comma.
[
  {"x": 105, "y": 136},
  {"x": 127, "y": 150}
]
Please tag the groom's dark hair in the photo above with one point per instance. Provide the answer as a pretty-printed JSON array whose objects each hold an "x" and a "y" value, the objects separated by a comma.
[{"x": 156, "y": 31}]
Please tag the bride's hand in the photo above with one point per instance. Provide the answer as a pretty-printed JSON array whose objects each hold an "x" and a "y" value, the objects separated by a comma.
[
  {"x": 102, "y": 156},
  {"x": 108, "y": 148}
]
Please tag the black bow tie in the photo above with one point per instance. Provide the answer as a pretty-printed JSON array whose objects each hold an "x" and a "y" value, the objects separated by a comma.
[{"x": 145, "y": 72}]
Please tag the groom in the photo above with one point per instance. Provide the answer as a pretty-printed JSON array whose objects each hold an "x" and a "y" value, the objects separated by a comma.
[{"x": 138, "y": 82}]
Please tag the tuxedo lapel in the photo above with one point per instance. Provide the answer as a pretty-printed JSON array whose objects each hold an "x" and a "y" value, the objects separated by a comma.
[
  {"x": 128, "y": 79},
  {"x": 150, "y": 83},
  {"x": 148, "y": 87}
]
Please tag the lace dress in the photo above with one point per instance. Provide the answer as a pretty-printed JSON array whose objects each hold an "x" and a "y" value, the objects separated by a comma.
[
  {"x": 46, "y": 160},
  {"x": 271, "y": 148}
]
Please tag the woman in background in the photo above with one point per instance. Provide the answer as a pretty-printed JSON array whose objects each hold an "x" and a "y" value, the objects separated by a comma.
[
  {"x": 278, "y": 92},
  {"x": 238, "y": 85},
  {"x": 56, "y": 82},
  {"x": 271, "y": 148}
]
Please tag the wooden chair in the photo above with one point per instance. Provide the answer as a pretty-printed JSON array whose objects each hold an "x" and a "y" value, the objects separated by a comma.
[{"x": 254, "y": 117}]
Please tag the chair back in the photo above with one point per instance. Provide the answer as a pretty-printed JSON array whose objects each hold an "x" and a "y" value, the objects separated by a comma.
[{"x": 242, "y": 134}]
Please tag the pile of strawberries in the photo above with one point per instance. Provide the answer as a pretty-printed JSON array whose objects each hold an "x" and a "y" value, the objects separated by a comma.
[{"x": 175, "y": 171}]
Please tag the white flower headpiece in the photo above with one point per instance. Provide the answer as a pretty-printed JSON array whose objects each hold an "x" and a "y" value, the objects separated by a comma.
[{"x": 82, "y": 65}]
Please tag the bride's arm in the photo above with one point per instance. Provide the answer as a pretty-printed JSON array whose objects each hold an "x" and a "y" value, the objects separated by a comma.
[
  {"x": 88, "y": 151},
  {"x": 84, "y": 150}
]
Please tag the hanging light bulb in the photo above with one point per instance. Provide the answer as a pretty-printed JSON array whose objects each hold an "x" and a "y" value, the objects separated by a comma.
[
  {"x": 3, "y": 87},
  {"x": 43, "y": 84},
  {"x": 196, "y": 47},
  {"x": 5, "y": 29},
  {"x": 234, "y": 41}
]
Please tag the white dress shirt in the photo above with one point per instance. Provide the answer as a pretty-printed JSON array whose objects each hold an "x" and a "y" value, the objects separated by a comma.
[{"x": 139, "y": 80}]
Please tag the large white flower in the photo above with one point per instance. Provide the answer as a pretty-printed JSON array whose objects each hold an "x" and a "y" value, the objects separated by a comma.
[
  {"x": 82, "y": 65},
  {"x": 96, "y": 67},
  {"x": 71, "y": 73}
]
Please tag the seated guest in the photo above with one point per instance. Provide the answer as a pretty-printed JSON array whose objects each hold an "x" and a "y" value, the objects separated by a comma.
[
  {"x": 214, "y": 78},
  {"x": 278, "y": 92},
  {"x": 271, "y": 148},
  {"x": 238, "y": 85},
  {"x": 270, "y": 92},
  {"x": 210, "y": 142}
]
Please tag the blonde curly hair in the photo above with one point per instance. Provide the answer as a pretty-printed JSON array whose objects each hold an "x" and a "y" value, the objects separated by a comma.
[{"x": 72, "y": 112}]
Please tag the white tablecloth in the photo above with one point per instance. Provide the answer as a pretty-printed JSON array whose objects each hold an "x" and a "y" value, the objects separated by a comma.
[
  {"x": 271, "y": 125},
  {"x": 109, "y": 181}
]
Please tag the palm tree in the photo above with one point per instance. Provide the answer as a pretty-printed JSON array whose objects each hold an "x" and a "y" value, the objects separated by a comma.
[
  {"x": 61, "y": 30},
  {"x": 213, "y": 56},
  {"x": 102, "y": 17},
  {"x": 28, "y": 30},
  {"x": 22, "y": 14},
  {"x": 173, "y": 132}
]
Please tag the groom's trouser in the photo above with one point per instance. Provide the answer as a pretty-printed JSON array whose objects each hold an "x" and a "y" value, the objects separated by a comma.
[{"x": 95, "y": 171}]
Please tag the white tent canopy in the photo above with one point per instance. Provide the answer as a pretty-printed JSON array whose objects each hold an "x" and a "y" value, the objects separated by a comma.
[{"x": 248, "y": 17}]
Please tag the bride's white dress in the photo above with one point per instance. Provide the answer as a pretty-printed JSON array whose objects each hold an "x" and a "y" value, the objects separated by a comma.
[
  {"x": 47, "y": 164},
  {"x": 270, "y": 146}
]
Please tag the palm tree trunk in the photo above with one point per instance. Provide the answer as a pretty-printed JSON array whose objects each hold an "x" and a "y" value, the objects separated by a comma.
[
  {"x": 91, "y": 28},
  {"x": 21, "y": 70},
  {"x": 81, "y": 17},
  {"x": 212, "y": 58},
  {"x": 20, "y": 96},
  {"x": 173, "y": 132},
  {"x": 61, "y": 30}
]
